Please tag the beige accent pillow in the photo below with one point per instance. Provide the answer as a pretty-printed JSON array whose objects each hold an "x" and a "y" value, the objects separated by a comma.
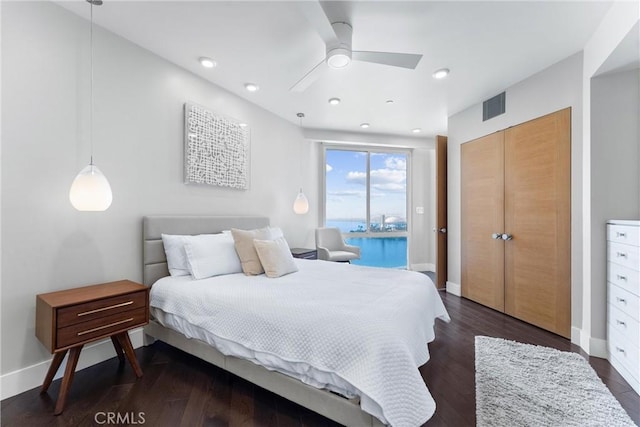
[
  {"x": 275, "y": 257},
  {"x": 243, "y": 241}
]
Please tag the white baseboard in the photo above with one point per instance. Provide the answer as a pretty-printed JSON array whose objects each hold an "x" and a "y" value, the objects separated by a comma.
[
  {"x": 575, "y": 336},
  {"x": 454, "y": 289},
  {"x": 24, "y": 379},
  {"x": 595, "y": 347},
  {"x": 423, "y": 267},
  {"x": 598, "y": 348}
]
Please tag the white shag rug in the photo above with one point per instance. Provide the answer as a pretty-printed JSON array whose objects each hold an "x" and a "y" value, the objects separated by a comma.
[{"x": 527, "y": 385}]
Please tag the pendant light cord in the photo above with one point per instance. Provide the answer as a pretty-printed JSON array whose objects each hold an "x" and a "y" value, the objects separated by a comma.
[{"x": 91, "y": 89}]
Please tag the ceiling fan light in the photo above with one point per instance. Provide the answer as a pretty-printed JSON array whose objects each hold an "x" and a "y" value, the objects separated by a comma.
[{"x": 339, "y": 57}]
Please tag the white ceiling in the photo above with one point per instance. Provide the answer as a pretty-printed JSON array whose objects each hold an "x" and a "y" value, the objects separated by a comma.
[{"x": 487, "y": 45}]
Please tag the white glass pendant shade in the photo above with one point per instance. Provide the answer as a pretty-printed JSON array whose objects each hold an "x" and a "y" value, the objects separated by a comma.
[
  {"x": 301, "y": 204},
  {"x": 90, "y": 190}
]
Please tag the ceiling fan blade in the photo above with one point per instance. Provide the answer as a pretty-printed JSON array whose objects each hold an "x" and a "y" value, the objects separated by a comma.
[
  {"x": 308, "y": 79},
  {"x": 404, "y": 60},
  {"x": 313, "y": 11}
]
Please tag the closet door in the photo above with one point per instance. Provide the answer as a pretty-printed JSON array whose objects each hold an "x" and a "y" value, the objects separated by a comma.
[
  {"x": 482, "y": 213},
  {"x": 538, "y": 217}
]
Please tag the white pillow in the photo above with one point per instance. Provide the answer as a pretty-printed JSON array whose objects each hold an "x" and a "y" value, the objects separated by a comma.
[
  {"x": 275, "y": 233},
  {"x": 275, "y": 257},
  {"x": 211, "y": 255},
  {"x": 176, "y": 256}
]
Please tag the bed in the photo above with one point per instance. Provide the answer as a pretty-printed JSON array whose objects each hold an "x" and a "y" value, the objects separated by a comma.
[{"x": 349, "y": 352}]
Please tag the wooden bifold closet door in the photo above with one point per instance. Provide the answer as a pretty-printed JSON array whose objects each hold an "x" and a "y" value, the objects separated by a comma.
[{"x": 529, "y": 266}]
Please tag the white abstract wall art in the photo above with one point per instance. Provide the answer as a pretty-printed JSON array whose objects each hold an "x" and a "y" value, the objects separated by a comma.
[{"x": 216, "y": 149}]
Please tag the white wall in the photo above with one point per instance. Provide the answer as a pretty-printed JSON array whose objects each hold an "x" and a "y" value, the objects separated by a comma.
[
  {"x": 552, "y": 89},
  {"x": 138, "y": 134},
  {"x": 615, "y": 184},
  {"x": 548, "y": 91},
  {"x": 620, "y": 21}
]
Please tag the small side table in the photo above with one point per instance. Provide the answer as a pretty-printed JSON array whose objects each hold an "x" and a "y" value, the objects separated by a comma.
[
  {"x": 304, "y": 253},
  {"x": 67, "y": 320}
]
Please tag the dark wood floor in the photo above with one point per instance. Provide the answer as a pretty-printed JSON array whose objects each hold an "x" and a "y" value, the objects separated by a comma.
[{"x": 179, "y": 390}]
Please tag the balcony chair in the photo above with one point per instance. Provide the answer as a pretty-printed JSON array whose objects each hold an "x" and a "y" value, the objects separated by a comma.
[{"x": 331, "y": 246}]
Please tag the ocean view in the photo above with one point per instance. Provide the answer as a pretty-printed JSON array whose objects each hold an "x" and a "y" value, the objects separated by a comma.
[
  {"x": 381, "y": 251},
  {"x": 375, "y": 251}
]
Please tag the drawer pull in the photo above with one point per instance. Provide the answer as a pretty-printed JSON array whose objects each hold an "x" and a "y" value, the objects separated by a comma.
[
  {"x": 88, "y": 331},
  {"x": 620, "y": 234},
  {"x": 622, "y": 300},
  {"x": 620, "y": 322},
  {"x": 621, "y": 277},
  {"x": 98, "y": 310},
  {"x": 620, "y": 350},
  {"x": 621, "y": 254}
]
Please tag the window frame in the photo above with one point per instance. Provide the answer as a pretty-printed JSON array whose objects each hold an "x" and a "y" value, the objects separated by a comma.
[{"x": 368, "y": 148}]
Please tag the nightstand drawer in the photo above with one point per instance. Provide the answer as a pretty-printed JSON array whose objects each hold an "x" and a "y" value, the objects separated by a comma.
[
  {"x": 86, "y": 312},
  {"x": 102, "y": 326}
]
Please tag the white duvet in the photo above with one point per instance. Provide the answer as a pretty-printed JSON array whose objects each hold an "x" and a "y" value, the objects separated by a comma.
[{"x": 356, "y": 330}]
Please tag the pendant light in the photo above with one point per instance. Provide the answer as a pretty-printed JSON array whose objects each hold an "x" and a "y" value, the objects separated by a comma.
[
  {"x": 90, "y": 190},
  {"x": 301, "y": 204}
]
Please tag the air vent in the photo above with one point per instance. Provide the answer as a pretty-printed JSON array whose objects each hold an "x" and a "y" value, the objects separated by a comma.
[{"x": 493, "y": 107}]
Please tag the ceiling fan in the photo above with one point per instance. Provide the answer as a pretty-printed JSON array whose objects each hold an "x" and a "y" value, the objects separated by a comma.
[{"x": 339, "y": 54}]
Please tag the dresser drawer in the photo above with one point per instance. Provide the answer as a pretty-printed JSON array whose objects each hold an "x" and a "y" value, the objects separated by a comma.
[
  {"x": 624, "y": 301},
  {"x": 89, "y": 311},
  {"x": 621, "y": 350},
  {"x": 624, "y": 277},
  {"x": 103, "y": 326},
  {"x": 625, "y": 325},
  {"x": 625, "y": 255},
  {"x": 626, "y": 234}
]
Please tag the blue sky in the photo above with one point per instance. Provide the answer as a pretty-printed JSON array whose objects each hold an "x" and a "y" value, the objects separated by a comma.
[{"x": 346, "y": 184}]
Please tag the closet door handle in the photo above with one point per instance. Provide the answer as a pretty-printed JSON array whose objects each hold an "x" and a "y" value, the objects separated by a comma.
[
  {"x": 506, "y": 236},
  {"x": 496, "y": 236}
]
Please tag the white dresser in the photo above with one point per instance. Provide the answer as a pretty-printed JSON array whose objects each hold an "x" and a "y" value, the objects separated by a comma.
[{"x": 623, "y": 296}]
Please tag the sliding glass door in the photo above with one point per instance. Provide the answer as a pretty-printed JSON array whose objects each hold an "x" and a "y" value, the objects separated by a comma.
[{"x": 366, "y": 197}]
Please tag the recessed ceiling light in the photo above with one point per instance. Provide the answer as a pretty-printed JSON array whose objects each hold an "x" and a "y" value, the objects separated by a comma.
[
  {"x": 389, "y": 101},
  {"x": 334, "y": 101},
  {"x": 242, "y": 125},
  {"x": 364, "y": 125},
  {"x": 441, "y": 73},
  {"x": 416, "y": 130},
  {"x": 251, "y": 87},
  {"x": 207, "y": 62}
]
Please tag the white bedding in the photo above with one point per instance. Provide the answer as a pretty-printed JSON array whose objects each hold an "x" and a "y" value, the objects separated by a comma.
[{"x": 355, "y": 330}]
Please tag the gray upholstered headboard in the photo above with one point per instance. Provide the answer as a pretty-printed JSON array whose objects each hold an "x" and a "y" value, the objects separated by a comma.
[{"x": 154, "y": 259}]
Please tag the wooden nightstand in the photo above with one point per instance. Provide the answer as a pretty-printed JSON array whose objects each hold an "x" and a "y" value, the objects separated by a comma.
[
  {"x": 304, "y": 253},
  {"x": 66, "y": 320}
]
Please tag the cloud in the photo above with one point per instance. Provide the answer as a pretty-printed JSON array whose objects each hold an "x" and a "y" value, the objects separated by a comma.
[
  {"x": 349, "y": 193},
  {"x": 395, "y": 163},
  {"x": 386, "y": 179},
  {"x": 329, "y": 167}
]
